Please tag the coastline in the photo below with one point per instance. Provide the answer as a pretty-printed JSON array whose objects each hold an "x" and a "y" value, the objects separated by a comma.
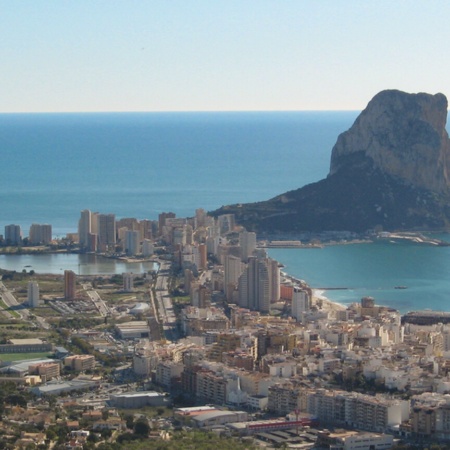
[{"x": 328, "y": 305}]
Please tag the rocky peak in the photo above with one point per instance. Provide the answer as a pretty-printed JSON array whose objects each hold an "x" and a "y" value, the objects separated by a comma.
[{"x": 404, "y": 136}]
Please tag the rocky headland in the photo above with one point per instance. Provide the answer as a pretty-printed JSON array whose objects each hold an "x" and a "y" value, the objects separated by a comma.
[{"x": 389, "y": 171}]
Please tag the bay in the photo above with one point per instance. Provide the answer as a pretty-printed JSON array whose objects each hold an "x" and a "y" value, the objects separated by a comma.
[{"x": 375, "y": 270}]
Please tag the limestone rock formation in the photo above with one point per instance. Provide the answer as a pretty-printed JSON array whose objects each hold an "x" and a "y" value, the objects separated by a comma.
[
  {"x": 390, "y": 170},
  {"x": 404, "y": 136}
]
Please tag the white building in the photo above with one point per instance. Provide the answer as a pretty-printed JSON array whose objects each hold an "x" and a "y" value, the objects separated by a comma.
[
  {"x": 128, "y": 283},
  {"x": 148, "y": 248},
  {"x": 40, "y": 234},
  {"x": 166, "y": 371},
  {"x": 301, "y": 302},
  {"x": 33, "y": 294},
  {"x": 132, "y": 242}
]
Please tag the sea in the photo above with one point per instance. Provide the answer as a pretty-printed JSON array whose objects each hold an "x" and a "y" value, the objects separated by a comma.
[{"x": 141, "y": 164}]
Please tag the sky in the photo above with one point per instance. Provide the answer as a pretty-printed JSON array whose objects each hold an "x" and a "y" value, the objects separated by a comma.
[{"x": 218, "y": 55}]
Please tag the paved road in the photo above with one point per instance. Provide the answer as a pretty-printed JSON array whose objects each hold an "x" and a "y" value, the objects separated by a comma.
[
  {"x": 11, "y": 302},
  {"x": 164, "y": 302}
]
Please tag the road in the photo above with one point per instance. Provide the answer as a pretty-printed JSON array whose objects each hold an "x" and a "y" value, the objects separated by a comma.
[
  {"x": 11, "y": 301},
  {"x": 101, "y": 306},
  {"x": 164, "y": 302}
]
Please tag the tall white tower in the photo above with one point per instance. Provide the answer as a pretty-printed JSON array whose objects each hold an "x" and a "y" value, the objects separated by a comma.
[
  {"x": 300, "y": 303},
  {"x": 128, "y": 282},
  {"x": 132, "y": 242},
  {"x": 33, "y": 294}
]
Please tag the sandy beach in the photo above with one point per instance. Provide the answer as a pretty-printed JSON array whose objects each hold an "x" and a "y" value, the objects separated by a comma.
[{"x": 327, "y": 304}]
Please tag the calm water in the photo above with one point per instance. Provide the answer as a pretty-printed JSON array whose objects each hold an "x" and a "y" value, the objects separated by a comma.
[
  {"x": 80, "y": 264},
  {"x": 140, "y": 164},
  {"x": 374, "y": 270}
]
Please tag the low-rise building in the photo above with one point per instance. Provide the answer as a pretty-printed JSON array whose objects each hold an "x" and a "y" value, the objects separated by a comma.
[
  {"x": 79, "y": 363},
  {"x": 33, "y": 345},
  {"x": 354, "y": 440},
  {"x": 139, "y": 399},
  {"x": 133, "y": 330},
  {"x": 46, "y": 371},
  {"x": 215, "y": 418}
]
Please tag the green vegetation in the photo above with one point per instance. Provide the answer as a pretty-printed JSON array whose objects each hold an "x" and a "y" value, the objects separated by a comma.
[
  {"x": 9, "y": 310},
  {"x": 11, "y": 357},
  {"x": 180, "y": 440}
]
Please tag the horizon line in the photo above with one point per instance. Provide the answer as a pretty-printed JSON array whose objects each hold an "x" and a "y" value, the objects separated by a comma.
[{"x": 176, "y": 111}]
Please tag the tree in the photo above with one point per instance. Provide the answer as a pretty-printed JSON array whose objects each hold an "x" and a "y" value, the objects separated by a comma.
[
  {"x": 50, "y": 434},
  {"x": 141, "y": 427},
  {"x": 129, "y": 421}
]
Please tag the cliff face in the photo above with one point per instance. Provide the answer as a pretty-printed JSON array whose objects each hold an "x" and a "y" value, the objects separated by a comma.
[
  {"x": 390, "y": 170},
  {"x": 404, "y": 136}
]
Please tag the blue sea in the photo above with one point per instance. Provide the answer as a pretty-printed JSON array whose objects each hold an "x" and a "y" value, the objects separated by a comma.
[{"x": 141, "y": 164}]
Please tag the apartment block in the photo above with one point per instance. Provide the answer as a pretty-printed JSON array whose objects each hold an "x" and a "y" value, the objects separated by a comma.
[{"x": 79, "y": 363}]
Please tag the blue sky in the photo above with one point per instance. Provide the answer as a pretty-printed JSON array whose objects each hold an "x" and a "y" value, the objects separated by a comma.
[{"x": 218, "y": 55}]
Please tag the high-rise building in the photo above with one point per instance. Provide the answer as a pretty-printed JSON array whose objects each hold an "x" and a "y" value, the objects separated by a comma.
[
  {"x": 92, "y": 242},
  {"x": 128, "y": 284},
  {"x": 259, "y": 284},
  {"x": 247, "y": 242},
  {"x": 233, "y": 269},
  {"x": 200, "y": 217},
  {"x": 189, "y": 234},
  {"x": 106, "y": 232},
  {"x": 147, "y": 248},
  {"x": 94, "y": 222},
  {"x": 84, "y": 228},
  {"x": 132, "y": 242},
  {"x": 13, "y": 234},
  {"x": 179, "y": 236},
  {"x": 301, "y": 302},
  {"x": 33, "y": 294},
  {"x": 69, "y": 284},
  {"x": 226, "y": 223},
  {"x": 162, "y": 220},
  {"x": 202, "y": 250},
  {"x": 40, "y": 234},
  {"x": 146, "y": 229}
]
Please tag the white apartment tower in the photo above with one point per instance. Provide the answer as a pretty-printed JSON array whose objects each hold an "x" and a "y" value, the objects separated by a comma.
[
  {"x": 132, "y": 242},
  {"x": 33, "y": 294},
  {"x": 147, "y": 248},
  {"x": 300, "y": 302},
  {"x": 84, "y": 227},
  {"x": 128, "y": 283}
]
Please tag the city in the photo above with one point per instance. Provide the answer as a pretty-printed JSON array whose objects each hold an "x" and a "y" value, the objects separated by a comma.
[{"x": 216, "y": 337}]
